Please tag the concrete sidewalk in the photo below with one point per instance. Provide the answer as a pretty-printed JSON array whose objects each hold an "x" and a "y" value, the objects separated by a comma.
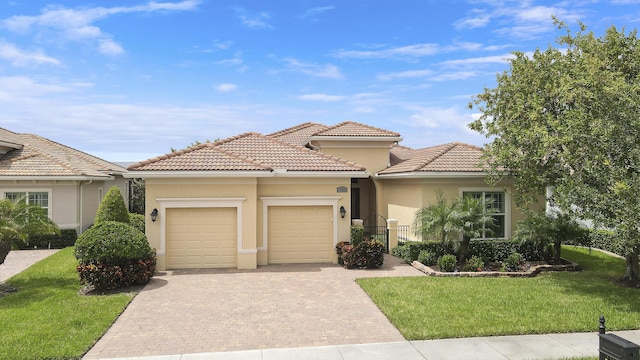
[
  {"x": 524, "y": 347},
  {"x": 19, "y": 260}
]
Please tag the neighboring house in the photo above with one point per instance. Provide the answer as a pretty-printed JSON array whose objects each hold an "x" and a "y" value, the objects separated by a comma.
[
  {"x": 67, "y": 182},
  {"x": 260, "y": 199}
]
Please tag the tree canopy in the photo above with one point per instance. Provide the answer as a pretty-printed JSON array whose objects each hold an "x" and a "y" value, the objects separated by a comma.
[{"x": 568, "y": 117}]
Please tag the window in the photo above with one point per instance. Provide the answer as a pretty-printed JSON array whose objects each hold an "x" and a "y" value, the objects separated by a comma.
[
  {"x": 31, "y": 197},
  {"x": 494, "y": 201}
]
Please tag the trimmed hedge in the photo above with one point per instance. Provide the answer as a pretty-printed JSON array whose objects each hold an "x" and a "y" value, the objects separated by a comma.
[
  {"x": 604, "y": 240},
  {"x": 367, "y": 254},
  {"x": 107, "y": 276},
  {"x": 112, "y": 208},
  {"x": 137, "y": 221},
  {"x": 66, "y": 238},
  {"x": 112, "y": 242},
  {"x": 487, "y": 250},
  {"x": 357, "y": 235}
]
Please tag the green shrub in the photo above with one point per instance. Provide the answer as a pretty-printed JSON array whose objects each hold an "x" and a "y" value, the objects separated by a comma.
[
  {"x": 410, "y": 250},
  {"x": 513, "y": 262},
  {"x": 66, "y": 238},
  {"x": 107, "y": 276},
  {"x": 497, "y": 250},
  {"x": 137, "y": 221},
  {"x": 605, "y": 240},
  {"x": 112, "y": 208},
  {"x": 447, "y": 263},
  {"x": 112, "y": 242},
  {"x": 427, "y": 257},
  {"x": 474, "y": 264},
  {"x": 357, "y": 235},
  {"x": 369, "y": 254}
]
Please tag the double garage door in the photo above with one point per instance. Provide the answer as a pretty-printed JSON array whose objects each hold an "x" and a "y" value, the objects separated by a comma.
[{"x": 208, "y": 238}]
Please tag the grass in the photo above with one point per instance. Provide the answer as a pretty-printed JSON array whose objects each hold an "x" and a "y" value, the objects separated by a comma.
[
  {"x": 47, "y": 319},
  {"x": 552, "y": 302}
]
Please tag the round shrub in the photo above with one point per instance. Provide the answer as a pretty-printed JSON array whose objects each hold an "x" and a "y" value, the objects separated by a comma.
[
  {"x": 447, "y": 263},
  {"x": 112, "y": 208},
  {"x": 474, "y": 264},
  {"x": 369, "y": 254},
  {"x": 137, "y": 221},
  {"x": 513, "y": 262},
  {"x": 112, "y": 242},
  {"x": 427, "y": 257}
]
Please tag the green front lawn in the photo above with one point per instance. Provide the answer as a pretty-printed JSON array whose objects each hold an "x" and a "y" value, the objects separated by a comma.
[
  {"x": 47, "y": 319},
  {"x": 553, "y": 302}
]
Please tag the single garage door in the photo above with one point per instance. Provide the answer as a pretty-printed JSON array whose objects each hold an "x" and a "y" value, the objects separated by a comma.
[
  {"x": 300, "y": 234},
  {"x": 201, "y": 238}
]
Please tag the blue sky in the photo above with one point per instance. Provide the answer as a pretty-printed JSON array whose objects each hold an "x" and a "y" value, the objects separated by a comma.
[{"x": 128, "y": 80}]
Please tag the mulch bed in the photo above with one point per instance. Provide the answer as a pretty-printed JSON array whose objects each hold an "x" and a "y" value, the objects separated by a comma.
[{"x": 529, "y": 269}]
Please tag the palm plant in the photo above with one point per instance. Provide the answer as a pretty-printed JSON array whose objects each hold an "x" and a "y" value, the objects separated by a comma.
[
  {"x": 18, "y": 221},
  {"x": 435, "y": 221},
  {"x": 473, "y": 217}
]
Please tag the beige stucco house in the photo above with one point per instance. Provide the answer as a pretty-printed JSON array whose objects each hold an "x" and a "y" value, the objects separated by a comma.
[
  {"x": 67, "y": 182},
  {"x": 258, "y": 199}
]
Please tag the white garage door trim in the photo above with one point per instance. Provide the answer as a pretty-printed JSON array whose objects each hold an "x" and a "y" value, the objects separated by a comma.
[
  {"x": 167, "y": 203},
  {"x": 297, "y": 201}
]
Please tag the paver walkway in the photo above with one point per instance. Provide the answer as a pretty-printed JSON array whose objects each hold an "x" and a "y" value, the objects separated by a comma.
[
  {"x": 275, "y": 306},
  {"x": 18, "y": 260}
]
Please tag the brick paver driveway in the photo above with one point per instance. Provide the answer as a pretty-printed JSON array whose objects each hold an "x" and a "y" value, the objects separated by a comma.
[{"x": 276, "y": 306}]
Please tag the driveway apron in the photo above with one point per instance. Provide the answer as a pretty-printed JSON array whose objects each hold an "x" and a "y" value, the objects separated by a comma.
[{"x": 275, "y": 306}]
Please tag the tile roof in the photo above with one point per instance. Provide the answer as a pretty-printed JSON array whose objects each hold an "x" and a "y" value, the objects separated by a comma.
[
  {"x": 399, "y": 153},
  {"x": 354, "y": 129},
  {"x": 247, "y": 152},
  {"x": 451, "y": 157},
  {"x": 41, "y": 157},
  {"x": 300, "y": 134}
]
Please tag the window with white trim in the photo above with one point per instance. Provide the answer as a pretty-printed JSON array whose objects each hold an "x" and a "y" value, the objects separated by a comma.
[
  {"x": 494, "y": 202},
  {"x": 40, "y": 198}
]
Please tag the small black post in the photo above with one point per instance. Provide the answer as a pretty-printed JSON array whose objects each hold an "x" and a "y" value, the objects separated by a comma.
[{"x": 601, "y": 328}]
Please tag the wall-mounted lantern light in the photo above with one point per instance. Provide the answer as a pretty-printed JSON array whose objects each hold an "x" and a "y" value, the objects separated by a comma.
[
  {"x": 343, "y": 212},
  {"x": 154, "y": 215}
]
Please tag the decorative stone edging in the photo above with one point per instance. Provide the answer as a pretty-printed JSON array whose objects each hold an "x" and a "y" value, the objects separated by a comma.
[{"x": 533, "y": 271}]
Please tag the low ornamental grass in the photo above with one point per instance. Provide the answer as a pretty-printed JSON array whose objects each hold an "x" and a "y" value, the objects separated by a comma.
[
  {"x": 47, "y": 319},
  {"x": 553, "y": 302}
]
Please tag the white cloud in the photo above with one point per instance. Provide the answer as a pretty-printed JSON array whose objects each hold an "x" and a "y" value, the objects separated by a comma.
[
  {"x": 494, "y": 59},
  {"x": 437, "y": 117},
  {"x": 58, "y": 23},
  {"x": 314, "y": 12},
  {"x": 322, "y": 97},
  {"x": 478, "y": 19},
  {"x": 21, "y": 89},
  {"x": 17, "y": 57},
  {"x": 317, "y": 70},
  {"x": 405, "y": 75},
  {"x": 254, "y": 21},
  {"x": 225, "y": 87},
  {"x": 409, "y": 51},
  {"x": 110, "y": 47}
]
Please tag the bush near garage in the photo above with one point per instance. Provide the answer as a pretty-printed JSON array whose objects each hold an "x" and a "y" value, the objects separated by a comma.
[
  {"x": 137, "y": 221},
  {"x": 368, "y": 254},
  {"x": 113, "y": 255}
]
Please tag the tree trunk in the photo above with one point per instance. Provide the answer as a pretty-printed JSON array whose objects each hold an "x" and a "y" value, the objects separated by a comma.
[
  {"x": 632, "y": 271},
  {"x": 557, "y": 247},
  {"x": 464, "y": 248},
  {"x": 5, "y": 247}
]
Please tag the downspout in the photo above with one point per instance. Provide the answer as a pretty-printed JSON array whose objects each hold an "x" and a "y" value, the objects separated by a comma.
[{"x": 80, "y": 208}]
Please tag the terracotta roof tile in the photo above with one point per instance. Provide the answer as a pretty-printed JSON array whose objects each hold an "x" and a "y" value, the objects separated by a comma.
[
  {"x": 354, "y": 129},
  {"x": 452, "y": 157},
  {"x": 43, "y": 157},
  {"x": 399, "y": 153},
  {"x": 299, "y": 134},
  {"x": 251, "y": 150}
]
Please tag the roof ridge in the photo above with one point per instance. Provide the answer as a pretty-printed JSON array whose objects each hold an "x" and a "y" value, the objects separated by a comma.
[
  {"x": 293, "y": 129},
  {"x": 318, "y": 153},
  {"x": 168, "y": 155},
  {"x": 71, "y": 164},
  {"x": 242, "y": 158},
  {"x": 349, "y": 122}
]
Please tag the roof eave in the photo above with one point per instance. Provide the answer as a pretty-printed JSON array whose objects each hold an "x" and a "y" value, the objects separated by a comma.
[
  {"x": 246, "y": 174},
  {"x": 56, "y": 178},
  {"x": 432, "y": 175}
]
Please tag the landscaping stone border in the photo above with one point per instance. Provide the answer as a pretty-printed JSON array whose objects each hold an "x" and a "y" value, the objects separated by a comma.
[{"x": 533, "y": 271}]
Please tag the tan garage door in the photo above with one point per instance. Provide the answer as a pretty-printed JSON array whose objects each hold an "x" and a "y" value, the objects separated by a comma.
[
  {"x": 201, "y": 238},
  {"x": 300, "y": 234}
]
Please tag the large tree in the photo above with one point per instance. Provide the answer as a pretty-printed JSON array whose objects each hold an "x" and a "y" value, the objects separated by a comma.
[{"x": 568, "y": 117}]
